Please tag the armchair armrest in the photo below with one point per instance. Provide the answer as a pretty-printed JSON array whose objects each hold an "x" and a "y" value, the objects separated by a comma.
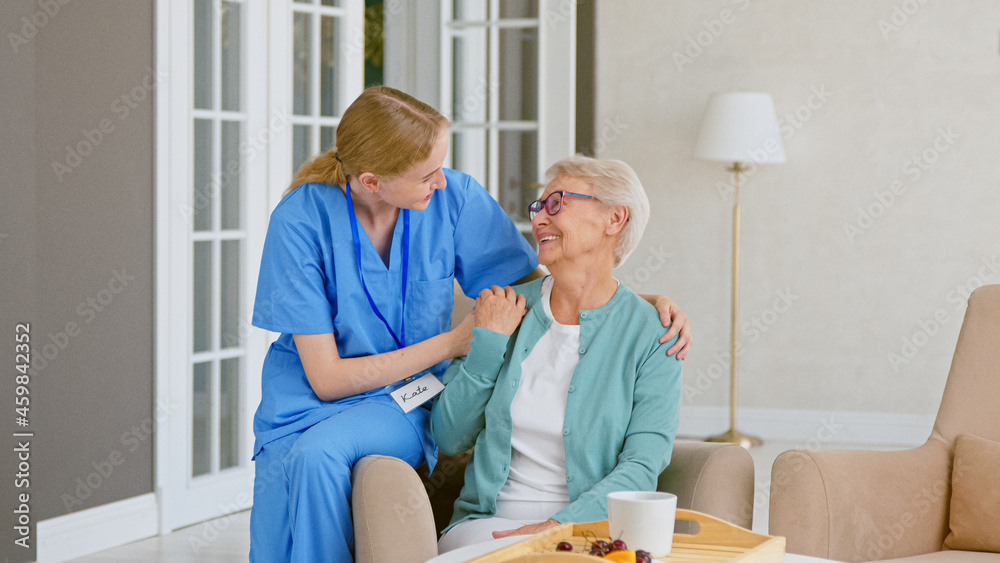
[
  {"x": 392, "y": 515},
  {"x": 714, "y": 478},
  {"x": 853, "y": 505}
]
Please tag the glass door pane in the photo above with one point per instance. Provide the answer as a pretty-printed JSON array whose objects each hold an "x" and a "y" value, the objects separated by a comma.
[
  {"x": 231, "y": 45},
  {"x": 231, "y": 296},
  {"x": 202, "y": 174},
  {"x": 218, "y": 236},
  {"x": 518, "y": 151},
  {"x": 317, "y": 37},
  {"x": 202, "y": 297},
  {"x": 301, "y": 145},
  {"x": 470, "y": 76},
  {"x": 231, "y": 177},
  {"x": 203, "y": 34},
  {"x": 229, "y": 413},
  {"x": 302, "y": 65},
  {"x": 327, "y": 67},
  {"x": 519, "y": 9},
  {"x": 493, "y": 98},
  {"x": 201, "y": 424},
  {"x": 518, "y": 88}
]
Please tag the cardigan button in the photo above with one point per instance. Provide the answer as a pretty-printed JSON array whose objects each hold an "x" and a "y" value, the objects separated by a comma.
[
  {"x": 565, "y": 431},
  {"x": 571, "y": 389},
  {"x": 569, "y": 478},
  {"x": 583, "y": 349},
  {"x": 583, "y": 314}
]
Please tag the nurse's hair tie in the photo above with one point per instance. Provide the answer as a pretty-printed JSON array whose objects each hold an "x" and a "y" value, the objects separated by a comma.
[{"x": 337, "y": 156}]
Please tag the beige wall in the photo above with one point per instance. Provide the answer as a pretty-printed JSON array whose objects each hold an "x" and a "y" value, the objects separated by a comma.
[{"x": 865, "y": 99}]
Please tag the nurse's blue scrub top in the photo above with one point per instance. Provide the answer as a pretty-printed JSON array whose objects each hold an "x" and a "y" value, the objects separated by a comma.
[{"x": 309, "y": 284}]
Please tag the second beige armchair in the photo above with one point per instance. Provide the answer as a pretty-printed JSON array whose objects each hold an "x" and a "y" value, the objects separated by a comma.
[{"x": 867, "y": 505}]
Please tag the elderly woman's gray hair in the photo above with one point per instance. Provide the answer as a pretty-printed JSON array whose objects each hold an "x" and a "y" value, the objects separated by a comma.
[{"x": 614, "y": 183}]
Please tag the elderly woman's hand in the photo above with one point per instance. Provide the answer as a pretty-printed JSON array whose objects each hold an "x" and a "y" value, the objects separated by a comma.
[
  {"x": 499, "y": 309},
  {"x": 527, "y": 529}
]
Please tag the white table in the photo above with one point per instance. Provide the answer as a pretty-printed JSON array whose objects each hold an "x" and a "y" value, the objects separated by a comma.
[{"x": 471, "y": 551}]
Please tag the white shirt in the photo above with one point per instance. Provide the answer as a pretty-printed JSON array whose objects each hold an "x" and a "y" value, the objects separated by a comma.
[{"x": 536, "y": 485}]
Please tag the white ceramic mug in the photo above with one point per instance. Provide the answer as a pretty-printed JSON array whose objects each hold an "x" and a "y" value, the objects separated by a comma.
[{"x": 643, "y": 520}]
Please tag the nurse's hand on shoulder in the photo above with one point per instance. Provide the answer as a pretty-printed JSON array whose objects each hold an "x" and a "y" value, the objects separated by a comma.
[
  {"x": 527, "y": 530},
  {"x": 499, "y": 309},
  {"x": 680, "y": 326}
]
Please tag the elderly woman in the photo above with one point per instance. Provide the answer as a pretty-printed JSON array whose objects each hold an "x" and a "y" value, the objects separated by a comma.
[{"x": 566, "y": 392}]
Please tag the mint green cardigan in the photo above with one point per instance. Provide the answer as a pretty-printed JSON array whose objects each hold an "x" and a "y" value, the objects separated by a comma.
[{"x": 622, "y": 409}]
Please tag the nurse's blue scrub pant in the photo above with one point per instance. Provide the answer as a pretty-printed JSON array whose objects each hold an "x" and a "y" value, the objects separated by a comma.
[{"x": 302, "y": 491}]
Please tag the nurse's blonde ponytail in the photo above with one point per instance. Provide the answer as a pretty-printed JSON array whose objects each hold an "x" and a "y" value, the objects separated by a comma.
[
  {"x": 324, "y": 168},
  {"x": 384, "y": 131}
]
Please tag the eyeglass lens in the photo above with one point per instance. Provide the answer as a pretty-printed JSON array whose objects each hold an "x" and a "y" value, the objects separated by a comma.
[{"x": 552, "y": 205}]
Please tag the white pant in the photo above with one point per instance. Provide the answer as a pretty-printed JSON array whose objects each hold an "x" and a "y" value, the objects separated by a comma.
[{"x": 477, "y": 530}]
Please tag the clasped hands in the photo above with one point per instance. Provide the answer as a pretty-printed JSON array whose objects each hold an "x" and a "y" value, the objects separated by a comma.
[{"x": 499, "y": 309}]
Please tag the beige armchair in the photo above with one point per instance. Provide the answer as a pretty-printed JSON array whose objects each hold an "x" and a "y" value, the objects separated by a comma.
[
  {"x": 394, "y": 507},
  {"x": 867, "y": 505},
  {"x": 398, "y": 512}
]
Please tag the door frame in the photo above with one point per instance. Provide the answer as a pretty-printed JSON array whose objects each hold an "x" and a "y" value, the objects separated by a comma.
[{"x": 182, "y": 500}]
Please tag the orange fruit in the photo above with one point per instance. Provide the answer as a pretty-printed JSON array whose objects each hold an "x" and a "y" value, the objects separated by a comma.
[{"x": 621, "y": 556}]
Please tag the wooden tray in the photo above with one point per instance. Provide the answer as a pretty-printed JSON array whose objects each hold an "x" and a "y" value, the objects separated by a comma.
[{"x": 716, "y": 541}]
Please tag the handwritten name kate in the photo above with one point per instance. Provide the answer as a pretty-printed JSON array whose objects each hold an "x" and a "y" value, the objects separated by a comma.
[{"x": 417, "y": 391}]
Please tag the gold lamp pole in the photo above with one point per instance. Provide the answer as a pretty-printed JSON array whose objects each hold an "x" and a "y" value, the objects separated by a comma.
[
  {"x": 738, "y": 127},
  {"x": 734, "y": 436}
]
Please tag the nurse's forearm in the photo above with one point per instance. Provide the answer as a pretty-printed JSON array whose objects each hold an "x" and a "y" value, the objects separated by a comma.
[
  {"x": 357, "y": 375},
  {"x": 333, "y": 377}
]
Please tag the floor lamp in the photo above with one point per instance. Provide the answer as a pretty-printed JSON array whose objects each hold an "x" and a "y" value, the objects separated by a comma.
[{"x": 738, "y": 127}]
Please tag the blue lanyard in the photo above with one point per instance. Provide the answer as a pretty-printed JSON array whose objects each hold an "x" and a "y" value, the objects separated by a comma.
[{"x": 401, "y": 339}]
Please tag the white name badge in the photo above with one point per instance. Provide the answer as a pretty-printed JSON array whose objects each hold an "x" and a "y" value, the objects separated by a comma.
[{"x": 416, "y": 393}]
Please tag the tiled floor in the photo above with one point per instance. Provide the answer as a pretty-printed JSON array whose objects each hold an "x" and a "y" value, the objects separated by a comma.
[
  {"x": 227, "y": 539},
  {"x": 222, "y": 540}
]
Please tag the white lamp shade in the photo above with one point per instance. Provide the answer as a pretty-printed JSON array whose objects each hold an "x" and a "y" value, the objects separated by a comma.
[{"x": 740, "y": 127}]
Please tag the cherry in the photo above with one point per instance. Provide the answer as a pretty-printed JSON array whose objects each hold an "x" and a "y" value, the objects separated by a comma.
[
  {"x": 618, "y": 545},
  {"x": 602, "y": 545},
  {"x": 643, "y": 557},
  {"x": 596, "y": 552},
  {"x": 564, "y": 546}
]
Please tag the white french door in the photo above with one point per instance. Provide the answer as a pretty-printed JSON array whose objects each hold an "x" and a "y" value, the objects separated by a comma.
[
  {"x": 252, "y": 89},
  {"x": 504, "y": 72},
  {"x": 323, "y": 69},
  {"x": 508, "y": 84},
  {"x": 211, "y": 210}
]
